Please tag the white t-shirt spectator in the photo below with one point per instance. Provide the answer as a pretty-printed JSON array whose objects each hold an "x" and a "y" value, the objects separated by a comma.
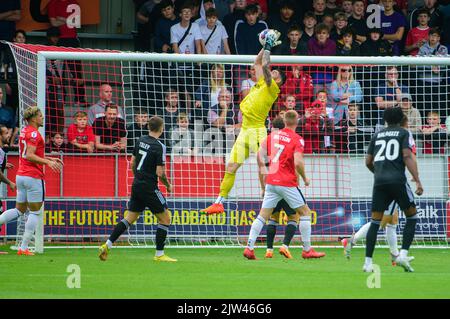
[
  {"x": 215, "y": 43},
  {"x": 247, "y": 84},
  {"x": 188, "y": 44}
]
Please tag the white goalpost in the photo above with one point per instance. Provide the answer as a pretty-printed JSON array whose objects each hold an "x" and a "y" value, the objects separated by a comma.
[{"x": 198, "y": 97}]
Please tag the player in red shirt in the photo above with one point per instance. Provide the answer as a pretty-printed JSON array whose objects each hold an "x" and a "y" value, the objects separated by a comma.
[
  {"x": 284, "y": 149},
  {"x": 30, "y": 176}
]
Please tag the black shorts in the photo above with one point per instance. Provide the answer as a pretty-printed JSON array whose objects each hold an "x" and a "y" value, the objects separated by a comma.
[
  {"x": 383, "y": 195},
  {"x": 141, "y": 199},
  {"x": 282, "y": 205}
]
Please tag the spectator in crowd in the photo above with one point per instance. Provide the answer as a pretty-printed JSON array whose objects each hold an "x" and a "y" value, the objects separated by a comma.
[
  {"x": 81, "y": 135},
  {"x": 147, "y": 16},
  {"x": 434, "y": 134},
  {"x": 246, "y": 36},
  {"x": 97, "y": 110},
  {"x": 182, "y": 138},
  {"x": 58, "y": 12},
  {"x": 309, "y": 25},
  {"x": 316, "y": 129},
  {"x": 207, "y": 93},
  {"x": 328, "y": 20},
  {"x": 340, "y": 24},
  {"x": 170, "y": 112},
  {"x": 347, "y": 7},
  {"x": 56, "y": 144},
  {"x": 186, "y": 38},
  {"x": 435, "y": 14},
  {"x": 393, "y": 26},
  {"x": 322, "y": 98},
  {"x": 138, "y": 128},
  {"x": 221, "y": 115},
  {"x": 357, "y": 21},
  {"x": 263, "y": 8},
  {"x": 110, "y": 132},
  {"x": 414, "y": 117},
  {"x": 299, "y": 83},
  {"x": 345, "y": 90},
  {"x": 162, "y": 42},
  {"x": 223, "y": 7},
  {"x": 7, "y": 115},
  {"x": 346, "y": 45},
  {"x": 375, "y": 45},
  {"x": 431, "y": 86},
  {"x": 247, "y": 84},
  {"x": 353, "y": 133},
  {"x": 418, "y": 36},
  {"x": 445, "y": 13},
  {"x": 319, "y": 7},
  {"x": 230, "y": 20},
  {"x": 389, "y": 93},
  {"x": 284, "y": 20},
  {"x": 332, "y": 7},
  {"x": 295, "y": 44},
  {"x": 321, "y": 45},
  {"x": 215, "y": 37},
  {"x": 204, "y": 7},
  {"x": 10, "y": 13}
]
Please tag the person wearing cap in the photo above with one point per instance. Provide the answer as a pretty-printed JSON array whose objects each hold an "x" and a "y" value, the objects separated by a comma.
[
  {"x": 414, "y": 117},
  {"x": 375, "y": 45}
]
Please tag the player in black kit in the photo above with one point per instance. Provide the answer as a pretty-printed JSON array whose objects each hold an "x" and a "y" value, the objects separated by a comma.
[
  {"x": 148, "y": 164},
  {"x": 388, "y": 153}
]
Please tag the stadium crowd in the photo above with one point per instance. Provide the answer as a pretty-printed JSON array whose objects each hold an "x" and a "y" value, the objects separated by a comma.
[{"x": 340, "y": 106}]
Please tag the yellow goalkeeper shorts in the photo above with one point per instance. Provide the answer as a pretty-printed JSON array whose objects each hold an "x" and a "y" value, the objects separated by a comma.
[{"x": 248, "y": 140}]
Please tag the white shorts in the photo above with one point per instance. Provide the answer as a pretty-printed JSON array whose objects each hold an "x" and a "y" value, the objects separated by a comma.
[
  {"x": 274, "y": 193},
  {"x": 391, "y": 209},
  {"x": 29, "y": 189}
]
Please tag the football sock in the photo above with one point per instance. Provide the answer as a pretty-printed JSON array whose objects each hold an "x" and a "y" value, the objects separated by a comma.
[
  {"x": 289, "y": 232},
  {"x": 219, "y": 200},
  {"x": 391, "y": 237},
  {"x": 161, "y": 234},
  {"x": 120, "y": 228},
  {"x": 270, "y": 233},
  {"x": 227, "y": 184},
  {"x": 30, "y": 227},
  {"x": 361, "y": 233},
  {"x": 305, "y": 231},
  {"x": 9, "y": 215},
  {"x": 409, "y": 231},
  {"x": 372, "y": 237},
  {"x": 257, "y": 226}
]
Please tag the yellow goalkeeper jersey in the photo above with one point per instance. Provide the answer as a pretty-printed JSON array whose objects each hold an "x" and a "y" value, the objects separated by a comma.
[{"x": 256, "y": 105}]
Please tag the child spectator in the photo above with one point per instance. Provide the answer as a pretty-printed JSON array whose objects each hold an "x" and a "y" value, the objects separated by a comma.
[
  {"x": 205, "y": 6},
  {"x": 346, "y": 45},
  {"x": 185, "y": 36},
  {"x": 246, "y": 36},
  {"x": 319, "y": 7},
  {"x": 332, "y": 7},
  {"x": 393, "y": 25},
  {"x": 229, "y": 21},
  {"x": 215, "y": 37},
  {"x": 436, "y": 17},
  {"x": 344, "y": 90},
  {"x": 181, "y": 137},
  {"x": 375, "y": 45},
  {"x": 138, "y": 128},
  {"x": 322, "y": 98},
  {"x": 171, "y": 110},
  {"x": 81, "y": 135},
  {"x": 434, "y": 134},
  {"x": 309, "y": 25},
  {"x": 296, "y": 43},
  {"x": 353, "y": 133},
  {"x": 357, "y": 20},
  {"x": 414, "y": 117},
  {"x": 262, "y": 7},
  {"x": 299, "y": 83},
  {"x": 340, "y": 23},
  {"x": 56, "y": 144},
  {"x": 328, "y": 20},
  {"x": 433, "y": 46},
  {"x": 321, "y": 44},
  {"x": 418, "y": 36},
  {"x": 161, "y": 41},
  {"x": 347, "y": 7}
]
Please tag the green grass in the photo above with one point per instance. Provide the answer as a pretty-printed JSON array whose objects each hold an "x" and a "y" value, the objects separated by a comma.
[{"x": 220, "y": 273}]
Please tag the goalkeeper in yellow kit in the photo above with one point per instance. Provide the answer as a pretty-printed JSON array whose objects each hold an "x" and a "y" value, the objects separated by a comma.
[{"x": 255, "y": 108}]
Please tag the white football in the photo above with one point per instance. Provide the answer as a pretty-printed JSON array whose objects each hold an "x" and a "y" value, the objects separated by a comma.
[{"x": 262, "y": 36}]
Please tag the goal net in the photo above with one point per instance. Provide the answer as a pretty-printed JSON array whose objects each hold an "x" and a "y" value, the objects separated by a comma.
[{"x": 340, "y": 102}]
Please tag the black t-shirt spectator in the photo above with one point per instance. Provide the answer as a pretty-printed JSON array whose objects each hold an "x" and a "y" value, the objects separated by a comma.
[{"x": 109, "y": 135}]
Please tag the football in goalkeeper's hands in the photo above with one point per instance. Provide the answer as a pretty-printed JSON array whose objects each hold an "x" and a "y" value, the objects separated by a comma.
[
  {"x": 269, "y": 33},
  {"x": 263, "y": 36}
]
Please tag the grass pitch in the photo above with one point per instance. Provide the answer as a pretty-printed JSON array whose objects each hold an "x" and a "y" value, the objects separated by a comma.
[{"x": 220, "y": 273}]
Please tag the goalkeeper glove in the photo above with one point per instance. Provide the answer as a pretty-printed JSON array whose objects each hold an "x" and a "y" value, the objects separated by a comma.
[{"x": 272, "y": 39}]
